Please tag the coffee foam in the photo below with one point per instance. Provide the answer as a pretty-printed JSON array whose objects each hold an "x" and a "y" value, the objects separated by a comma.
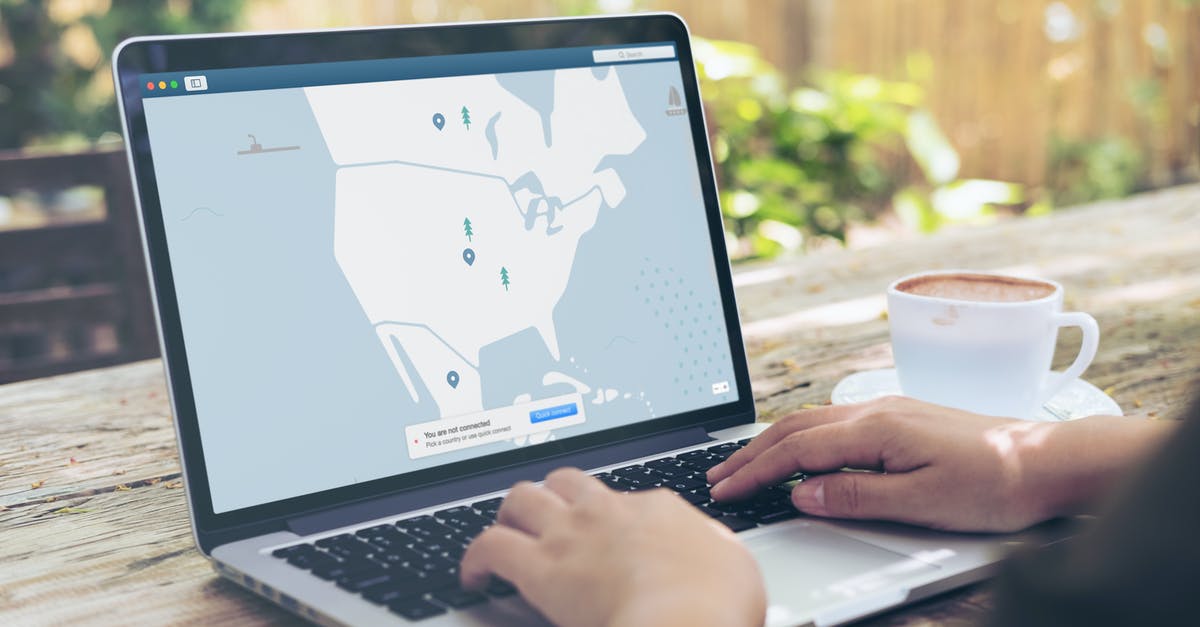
[{"x": 977, "y": 287}]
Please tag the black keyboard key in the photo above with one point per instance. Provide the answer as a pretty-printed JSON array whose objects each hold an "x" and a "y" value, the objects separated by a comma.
[
  {"x": 453, "y": 512},
  {"x": 635, "y": 469},
  {"x": 463, "y": 531},
  {"x": 372, "y": 531},
  {"x": 436, "y": 546},
  {"x": 773, "y": 516},
  {"x": 667, "y": 463},
  {"x": 707, "y": 509},
  {"x": 429, "y": 582},
  {"x": 462, "y": 518},
  {"x": 385, "y": 543},
  {"x": 361, "y": 580},
  {"x": 342, "y": 538},
  {"x": 301, "y": 560},
  {"x": 423, "y": 528},
  {"x": 679, "y": 471},
  {"x": 331, "y": 570},
  {"x": 489, "y": 508},
  {"x": 705, "y": 463},
  {"x": 309, "y": 561},
  {"x": 415, "y": 609},
  {"x": 773, "y": 496},
  {"x": 454, "y": 552},
  {"x": 458, "y": 598},
  {"x": 694, "y": 498},
  {"x": 730, "y": 507},
  {"x": 744, "y": 442},
  {"x": 414, "y": 522},
  {"x": 432, "y": 564},
  {"x": 700, "y": 460},
  {"x": 391, "y": 560},
  {"x": 614, "y": 482},
  {"x": 646, "y": 476},
  {"x": 401, "y": 554},
  {"x": 736, "y": 524},
  {"x": 683, "y": 485},
  {"x": 425, "y": 524},
  {"x": 352, "y": 550},
  {"x": 500, "y": 588},
  {"x": 295, "y": 549},
  {"x": 643, "y": 481},
  {"x": 493, "y": 503},
  {"x": 388, "y": 591}
]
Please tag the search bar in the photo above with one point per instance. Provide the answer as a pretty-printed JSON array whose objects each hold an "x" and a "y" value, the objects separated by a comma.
[{"x": 643, "y": 53}]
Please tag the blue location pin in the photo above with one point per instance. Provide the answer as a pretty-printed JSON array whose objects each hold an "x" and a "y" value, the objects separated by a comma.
[
  {"x": 469, "y": 256},
  {"x": 452, "y": 378},
  {"x": 439, "y": 120}
]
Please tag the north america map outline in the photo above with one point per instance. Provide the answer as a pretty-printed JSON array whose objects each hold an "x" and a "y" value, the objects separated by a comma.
[{"x": 493, "y": 256}]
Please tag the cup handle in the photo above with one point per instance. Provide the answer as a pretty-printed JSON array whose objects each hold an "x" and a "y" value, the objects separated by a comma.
[{"x": 1087, "y": 351}]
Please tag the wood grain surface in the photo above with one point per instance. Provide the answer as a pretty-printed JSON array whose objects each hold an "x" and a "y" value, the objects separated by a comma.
[{"x": 93, "y": 520}]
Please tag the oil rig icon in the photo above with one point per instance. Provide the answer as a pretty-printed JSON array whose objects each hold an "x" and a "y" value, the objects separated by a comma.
[
  {"x": 257, "y": 148},
  {"x": 675, "y": 103}
]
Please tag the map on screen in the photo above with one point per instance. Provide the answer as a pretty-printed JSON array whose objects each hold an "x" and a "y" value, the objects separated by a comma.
[{"x": 399, "y": 274}]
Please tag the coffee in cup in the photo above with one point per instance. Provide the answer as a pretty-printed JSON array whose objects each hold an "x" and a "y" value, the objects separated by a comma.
[{"x": 982, "y": 341}]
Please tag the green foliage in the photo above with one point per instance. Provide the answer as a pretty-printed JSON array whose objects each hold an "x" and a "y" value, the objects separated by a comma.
[
  {"x": 58, "y": 87},
  {"x": 1086, "y": 170},
  {"x": 805, "y": 163}
]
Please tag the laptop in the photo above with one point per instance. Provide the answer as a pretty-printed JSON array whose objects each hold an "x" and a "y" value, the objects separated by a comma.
[{"x": 398, "y": 269}]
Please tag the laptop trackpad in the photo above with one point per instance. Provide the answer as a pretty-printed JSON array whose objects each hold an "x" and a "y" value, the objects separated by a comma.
[{"x": 810, "y": 570}]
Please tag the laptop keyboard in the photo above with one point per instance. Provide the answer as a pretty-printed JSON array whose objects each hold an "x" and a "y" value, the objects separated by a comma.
[{"x": 411, "y": 567}]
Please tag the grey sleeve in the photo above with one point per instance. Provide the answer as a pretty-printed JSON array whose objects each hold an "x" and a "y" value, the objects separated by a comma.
[{"x": 1138, "y": 564}]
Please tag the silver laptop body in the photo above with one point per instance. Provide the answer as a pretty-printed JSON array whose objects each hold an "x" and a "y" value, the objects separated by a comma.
[{"x": 397, "y": 270}]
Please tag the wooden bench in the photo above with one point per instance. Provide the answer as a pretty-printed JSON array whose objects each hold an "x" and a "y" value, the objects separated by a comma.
[{"x": 73, "y": 296}]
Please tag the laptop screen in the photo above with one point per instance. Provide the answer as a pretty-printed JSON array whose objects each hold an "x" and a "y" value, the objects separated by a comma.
[{"x": 389, "y": 265}]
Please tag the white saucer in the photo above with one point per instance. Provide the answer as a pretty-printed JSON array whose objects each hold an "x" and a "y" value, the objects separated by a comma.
[{"x": 1077, "y": 400}]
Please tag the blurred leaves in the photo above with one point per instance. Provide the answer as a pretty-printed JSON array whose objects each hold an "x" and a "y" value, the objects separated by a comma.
[
  {"x": 800, "y": 165},
  {"x": 58, "y": 86},
  {"x": 1086, "y": 170},
  {"x": 930, "y": 148}
]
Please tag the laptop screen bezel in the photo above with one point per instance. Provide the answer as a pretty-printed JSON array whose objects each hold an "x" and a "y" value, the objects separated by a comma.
[{"x": 226, "y": 51}]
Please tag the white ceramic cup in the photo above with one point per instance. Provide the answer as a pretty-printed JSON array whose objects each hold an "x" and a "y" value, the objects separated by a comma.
[{"x": 983, "y": 356}]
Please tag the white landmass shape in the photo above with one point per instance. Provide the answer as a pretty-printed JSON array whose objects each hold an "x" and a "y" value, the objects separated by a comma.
[{"x": 404, "y": 188}]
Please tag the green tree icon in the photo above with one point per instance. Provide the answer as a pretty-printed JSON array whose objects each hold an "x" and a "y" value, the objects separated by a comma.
[
  {"x": 467, "y": 228},
  {"x": 466, "y": 117},
  {"x": 504, "y": 277}
]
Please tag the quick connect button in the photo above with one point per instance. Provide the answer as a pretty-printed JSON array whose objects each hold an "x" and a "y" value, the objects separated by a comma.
[{"x": 551, "y": 413}]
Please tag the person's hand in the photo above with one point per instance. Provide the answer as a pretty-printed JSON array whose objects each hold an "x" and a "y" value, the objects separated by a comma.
[
  {"x": 934, "y": 466},
  {"x": 583, "y": 554}
]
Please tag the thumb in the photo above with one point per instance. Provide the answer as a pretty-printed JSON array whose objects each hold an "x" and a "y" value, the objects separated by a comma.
[{"x": 864, "y": 495}]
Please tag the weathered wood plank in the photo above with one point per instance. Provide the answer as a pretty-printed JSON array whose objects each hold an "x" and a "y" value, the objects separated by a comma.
[
  {"x": 115, "y": 423},
  {"x": 127, "y": 554},
  {"x": 125, "y": 557}
]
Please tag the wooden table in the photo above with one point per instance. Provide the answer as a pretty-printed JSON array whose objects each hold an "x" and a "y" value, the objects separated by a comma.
[{"x": 94, "y": 527}]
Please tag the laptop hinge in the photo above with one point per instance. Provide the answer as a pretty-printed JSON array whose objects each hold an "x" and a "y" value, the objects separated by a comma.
[{"x": 466, "y": 487}]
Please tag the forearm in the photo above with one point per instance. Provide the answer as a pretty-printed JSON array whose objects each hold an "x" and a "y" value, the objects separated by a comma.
[{"x": 1079, "y": 462}]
